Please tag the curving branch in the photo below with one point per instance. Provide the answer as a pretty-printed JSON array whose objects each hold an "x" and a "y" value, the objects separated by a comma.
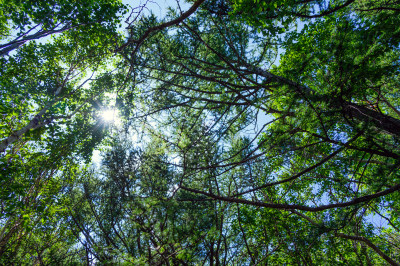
[
  {"x": 162, "y": 26},
  {"x": 371, "y": 245},
  {"x": 280, "y": 206}
]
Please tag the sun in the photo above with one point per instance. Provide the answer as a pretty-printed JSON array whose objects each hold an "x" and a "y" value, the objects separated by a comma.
[{"x": 110, "y": 115}]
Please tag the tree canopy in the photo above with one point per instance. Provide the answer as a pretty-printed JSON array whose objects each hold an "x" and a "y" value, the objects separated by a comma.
[{"x": 241, "y": 132}]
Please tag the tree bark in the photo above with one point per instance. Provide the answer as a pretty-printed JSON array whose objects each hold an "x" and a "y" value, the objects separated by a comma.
[
  {"x": 33, "y": 124},
  {"x": 371, "y": 245},
  {"x": 381, "y": 121}
]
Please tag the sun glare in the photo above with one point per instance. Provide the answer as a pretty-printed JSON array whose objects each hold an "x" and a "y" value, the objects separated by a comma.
[{"x": 110, "y": 116}]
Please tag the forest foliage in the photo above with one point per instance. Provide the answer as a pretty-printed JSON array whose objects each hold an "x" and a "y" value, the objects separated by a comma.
[{"x": 244, "y": 132}]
